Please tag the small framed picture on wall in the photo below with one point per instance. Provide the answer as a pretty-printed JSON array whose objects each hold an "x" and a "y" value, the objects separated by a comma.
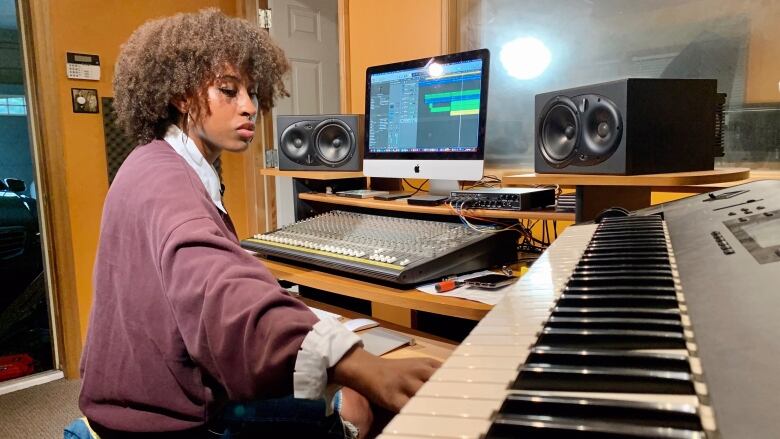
[{"x": 85, "y": 100}]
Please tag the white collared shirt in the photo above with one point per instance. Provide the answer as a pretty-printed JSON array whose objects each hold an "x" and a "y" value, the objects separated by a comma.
[{"x": 186, "y": 148}]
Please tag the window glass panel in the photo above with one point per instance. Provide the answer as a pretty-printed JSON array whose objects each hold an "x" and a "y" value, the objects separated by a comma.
[
  {"x": 538, "y": 47},
  {"x": 17, "y": 110}
]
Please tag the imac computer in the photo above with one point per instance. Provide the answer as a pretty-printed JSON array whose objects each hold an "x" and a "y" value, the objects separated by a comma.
[{"x": 425, "y": 119}]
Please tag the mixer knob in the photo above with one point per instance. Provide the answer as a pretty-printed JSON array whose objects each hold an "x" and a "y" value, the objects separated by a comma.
[
  {"x": 392, "y": 259},
  {"x": 404, "y": 262}
]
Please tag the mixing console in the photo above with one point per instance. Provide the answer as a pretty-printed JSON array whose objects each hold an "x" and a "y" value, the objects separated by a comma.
[{"x": 399, "y": 250}]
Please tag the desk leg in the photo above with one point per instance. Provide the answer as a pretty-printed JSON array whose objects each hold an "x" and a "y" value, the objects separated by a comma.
[
  {"x": 394, "y": 314},
  {"x": 593, "y": 199}
]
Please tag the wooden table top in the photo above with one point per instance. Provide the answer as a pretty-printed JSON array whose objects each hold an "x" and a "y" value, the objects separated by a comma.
[
  {"x": 366, "y": 290},
  {"x": 670, "y": 179}
]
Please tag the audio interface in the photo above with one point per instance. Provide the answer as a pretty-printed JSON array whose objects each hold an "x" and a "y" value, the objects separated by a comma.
[{"x": 503, "y": 198}]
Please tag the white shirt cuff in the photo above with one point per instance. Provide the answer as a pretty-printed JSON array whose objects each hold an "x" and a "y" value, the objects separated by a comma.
[{"x": 322, "y": 348}]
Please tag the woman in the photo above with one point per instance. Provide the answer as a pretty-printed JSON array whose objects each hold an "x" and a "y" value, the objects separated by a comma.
[{"x": 187, "y": 330}]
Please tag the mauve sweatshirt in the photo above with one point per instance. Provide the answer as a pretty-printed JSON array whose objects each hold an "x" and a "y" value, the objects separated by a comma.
[{"x": 183, "y": 318}]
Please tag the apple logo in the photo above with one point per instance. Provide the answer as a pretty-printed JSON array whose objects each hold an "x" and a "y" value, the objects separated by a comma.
[{"x": 416, "y": 169}]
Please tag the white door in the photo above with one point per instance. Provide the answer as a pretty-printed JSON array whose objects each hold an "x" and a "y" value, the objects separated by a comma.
[{"x": 307, "y": 30}]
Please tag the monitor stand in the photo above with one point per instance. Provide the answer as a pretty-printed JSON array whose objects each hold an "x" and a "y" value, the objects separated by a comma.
[
  {"x": 443, "y": 187},
  {"x": 438, "y": 193}
]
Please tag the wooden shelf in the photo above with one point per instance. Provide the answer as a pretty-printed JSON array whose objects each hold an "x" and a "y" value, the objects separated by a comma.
[
  {"x": 313, "y": 175},
  {"x": 409, "y": 298},
  {"x": 402, "y": 206},
  {"x": 651, "y": 180}
]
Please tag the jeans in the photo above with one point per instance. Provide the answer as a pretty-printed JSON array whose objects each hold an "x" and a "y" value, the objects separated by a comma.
[{"x": 287, "y": 416}]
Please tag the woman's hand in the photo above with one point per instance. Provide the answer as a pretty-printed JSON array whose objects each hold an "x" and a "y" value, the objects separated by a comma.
[{"x": 387, "y": 383}]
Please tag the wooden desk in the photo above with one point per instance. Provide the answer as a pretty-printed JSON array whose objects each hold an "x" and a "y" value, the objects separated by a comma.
[
  {"x": 426, "y": 345},
  {"x": 386, "y": 302},
  {"x": 598, "y": 192},
  {"x": 384, "y": 295}
]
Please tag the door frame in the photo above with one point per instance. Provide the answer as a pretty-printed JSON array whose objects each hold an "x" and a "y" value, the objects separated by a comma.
[
  {"x": 260, "y": 189},
  {"x": 49, "y": 166}
]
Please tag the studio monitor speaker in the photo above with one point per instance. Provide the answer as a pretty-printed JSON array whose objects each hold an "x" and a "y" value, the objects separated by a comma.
[
  {"x": 329, "y": 142},
  {"x": 631, "y": 126}
]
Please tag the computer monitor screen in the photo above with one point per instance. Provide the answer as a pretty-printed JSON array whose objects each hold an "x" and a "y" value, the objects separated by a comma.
[{"x": 426, "y": 118}]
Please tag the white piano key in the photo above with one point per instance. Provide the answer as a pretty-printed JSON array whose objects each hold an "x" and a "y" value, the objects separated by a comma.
[
  {"x": 440, "y": 389},
  {"x": 496, "y": 351},
  {"x": 499, "y": 340},
  {"x": 460, "y": 408},
  {"x": 437, "y": 426},
  {"x": 404, "y": 436},
  {"x": 479, "y": 362},
  {"x": 458, "y": 375}
]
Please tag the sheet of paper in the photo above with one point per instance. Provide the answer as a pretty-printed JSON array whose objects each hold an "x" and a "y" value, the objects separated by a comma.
[{"x": 491, "y": 297}]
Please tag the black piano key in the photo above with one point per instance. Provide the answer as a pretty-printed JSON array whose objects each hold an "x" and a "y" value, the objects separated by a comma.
[
  {"x": 555, "y": 378},
  {"x": 633, "y": 312},
  {"x": 621, "y": 290},
  {"x": 617, "y": 301},
  {"x": 626, "y": 259},
  {"x": 626, "y": 248},
  {"x": 607, "y": 358},
  {"x": 626, "y": 233},
  {"x": 632, "y": 219},
  {"x": 535, "y": 427},
  {"x": 627, "y": 255},
  {"x": 618, "y": 270},
  {"x": 614, "y": 411},
  {"x": 655, "y": 233},
  {"x": 649, "y": 268},
  {"x": 615, "y": 323},
  {"x": 630, "y": 245},
  {"x": 595, "y": 281},
  {"x": 611, "y": 339}
]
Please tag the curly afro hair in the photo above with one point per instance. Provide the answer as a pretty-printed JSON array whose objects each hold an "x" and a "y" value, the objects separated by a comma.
[{"x": 178, "y": 57}]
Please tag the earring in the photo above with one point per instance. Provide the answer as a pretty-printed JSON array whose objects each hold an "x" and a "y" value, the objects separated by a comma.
[{"x": 186, "y": 124}]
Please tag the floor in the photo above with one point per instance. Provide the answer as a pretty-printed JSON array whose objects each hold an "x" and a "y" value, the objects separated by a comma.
[{"x": 39, "y": 412}]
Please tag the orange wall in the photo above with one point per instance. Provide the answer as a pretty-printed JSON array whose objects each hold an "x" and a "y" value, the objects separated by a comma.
[
  {"x": 382, "y": 32},
  {"x": 100, "y": 27}
]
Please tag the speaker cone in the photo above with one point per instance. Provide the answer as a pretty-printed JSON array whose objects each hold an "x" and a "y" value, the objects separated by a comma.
[
  {"x": 334, "y": 142},
  {"x": 295, "y": 144},
  {"x": 602, "y": 127},
  {"x": 559, "y": 130}
]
